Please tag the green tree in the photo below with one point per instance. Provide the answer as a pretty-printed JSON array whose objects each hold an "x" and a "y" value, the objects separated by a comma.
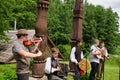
[
  {"x": 59, "y": 21},
  {"x": 100, "y": 23},
  {"x": 23, "y": 11}
]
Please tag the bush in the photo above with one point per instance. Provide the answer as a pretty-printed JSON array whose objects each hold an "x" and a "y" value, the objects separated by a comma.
[{"x": 65, "y": 51}]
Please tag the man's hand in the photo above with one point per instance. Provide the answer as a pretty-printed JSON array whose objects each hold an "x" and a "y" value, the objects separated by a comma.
[
  {"x": 58, "y": 68},
  {"x": 39, "y": 53}
]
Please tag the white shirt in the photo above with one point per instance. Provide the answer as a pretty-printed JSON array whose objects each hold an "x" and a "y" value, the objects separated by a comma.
[
  {"x": 72, "y": 55},
  {"x": 48, "y": 68},
  {"x": 92, "y": 57},
  {"x": 106, "y": 52}
]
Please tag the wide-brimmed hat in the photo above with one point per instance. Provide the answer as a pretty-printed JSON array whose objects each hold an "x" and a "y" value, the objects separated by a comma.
[{"x": 22, "y": 31}]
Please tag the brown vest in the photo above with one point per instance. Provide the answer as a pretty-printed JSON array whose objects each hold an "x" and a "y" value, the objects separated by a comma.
[
  {"x": 54, "y": 63},
  {"x": 78, "y": 53}
]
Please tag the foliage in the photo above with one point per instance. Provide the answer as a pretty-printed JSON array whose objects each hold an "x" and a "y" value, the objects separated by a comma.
[
  {"x": 102, "y": 24},
  {"x": 59, "y": 22},
  {"x": 98, "y": 22},
  {"x": 23, "y": 11},
  {"x": 65, "y": 51}
]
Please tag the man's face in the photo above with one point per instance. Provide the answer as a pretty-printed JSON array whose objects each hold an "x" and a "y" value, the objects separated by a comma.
[
  {"x": 80, "y": 43},
  {"x": 55, "y": 54},
  {"x": 97, "y": 43},
  {"x": 102, "y": 44},
  {"x": 25, "y": 37}
]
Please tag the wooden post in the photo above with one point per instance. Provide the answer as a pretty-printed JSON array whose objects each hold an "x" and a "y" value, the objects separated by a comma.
[
  {"x": 76, "y": 24},
  {"x": 46, "y": 44},
  {"x": 40, "y": 28}
]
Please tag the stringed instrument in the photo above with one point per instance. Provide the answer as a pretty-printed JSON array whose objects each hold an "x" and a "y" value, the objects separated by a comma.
[
  {"x": 102, "y": 52},
  {"x": 99, "y": 56}
]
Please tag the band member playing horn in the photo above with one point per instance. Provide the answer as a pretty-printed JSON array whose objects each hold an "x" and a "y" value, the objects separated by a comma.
[
  {"x": 22, "y": 55},
  {"x": 52, "y": 66},
  {"x": 76, "y": 56},
  {"x": 94, "y": 51},
  {"x": 104, "y": 55}
]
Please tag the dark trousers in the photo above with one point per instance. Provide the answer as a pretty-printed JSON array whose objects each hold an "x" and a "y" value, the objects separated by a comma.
[
  {"x": 24, "y": 76},
  {"x": 94, "y": 68},
  {"x": 77, "y": 72}
]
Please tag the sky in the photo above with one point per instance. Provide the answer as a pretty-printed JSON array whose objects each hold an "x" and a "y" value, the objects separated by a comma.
[{"x": 114, "y": 4}]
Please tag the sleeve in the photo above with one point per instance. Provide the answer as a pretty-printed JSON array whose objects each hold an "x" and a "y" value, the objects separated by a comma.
[
  {"x": 17, "y": 48},
  {"x": 92, "y": 49},
  {"x": 106, "y": 55},
  {"x": 82, "y": 55},
  {"x": 48, "y": 68},
  {"x": 72, "y": 56}
]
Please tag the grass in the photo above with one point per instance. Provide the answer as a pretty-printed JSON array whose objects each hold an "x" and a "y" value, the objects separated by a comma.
[
  {"x": 7, "y": 71},
  {"x": 111, "y": 72}
]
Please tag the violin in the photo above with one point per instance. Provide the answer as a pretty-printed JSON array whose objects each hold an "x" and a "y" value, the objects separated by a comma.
[
  {"x": 30, "y": 42},
  {"x": 27, "y": 43},
  {"x": 36, "y": 38}
]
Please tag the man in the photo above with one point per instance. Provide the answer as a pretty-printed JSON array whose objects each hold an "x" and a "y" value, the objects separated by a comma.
[
  {"x": 94, "y": 51},
  {"x": 75, "y": 57},
  {"x": 52, "y": 66},
  {"x": 104, "y": 55},
  {"x": 22, "y": 55}
]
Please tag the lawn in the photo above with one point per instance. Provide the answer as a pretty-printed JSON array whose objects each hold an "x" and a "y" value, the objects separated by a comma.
[{"x": 111, "y": 72}]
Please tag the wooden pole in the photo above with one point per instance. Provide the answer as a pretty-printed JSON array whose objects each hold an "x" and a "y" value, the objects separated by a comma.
[
  {"x": 40, "y": 28},
  {"x": 76, "y": 24}
]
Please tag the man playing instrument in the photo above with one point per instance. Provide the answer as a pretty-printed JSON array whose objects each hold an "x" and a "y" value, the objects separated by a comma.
[
  {"x": 52, "y": 66},
  {"x": 104, "y": 55},
  {"x": 94, "y": 51},
  {"x": 76, "y": 56},
  {"x": 22, "y": 55}
]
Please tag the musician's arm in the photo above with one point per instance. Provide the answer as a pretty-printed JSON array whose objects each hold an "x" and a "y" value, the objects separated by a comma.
[
  {"x": 82, "y": 55},
  {"x": 94, "y": 52},
  {"x": 72, "y": 56},
  {"x": 106, "y": 53},
  {"x": 29, "y": 54}
]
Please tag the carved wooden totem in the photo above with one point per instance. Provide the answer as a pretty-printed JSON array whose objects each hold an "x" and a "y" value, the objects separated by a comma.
[
  {"x": 76, "y": 24},
  {"x": 40, "y": 28}
]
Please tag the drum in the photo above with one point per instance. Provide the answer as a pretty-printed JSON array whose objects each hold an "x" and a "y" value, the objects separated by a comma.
[{"x": 84, "y": 64}]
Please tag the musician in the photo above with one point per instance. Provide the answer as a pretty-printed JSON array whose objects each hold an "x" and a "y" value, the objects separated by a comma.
[
  {"x": 104, "y": 54},
  {"x": 94, "y": 51},
  {"x": 52, "y": 66},
  {"x": 75, "y": 56},
  {"x": 22, "y": 55},
  {"x": 103, "y": 49}
]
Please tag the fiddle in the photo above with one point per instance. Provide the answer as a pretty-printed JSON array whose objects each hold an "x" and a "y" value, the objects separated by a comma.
[
  {"x": 36, "y": 38},
  {"x": 27, "y": 43},
  {"x": 32, "y": 41}
]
